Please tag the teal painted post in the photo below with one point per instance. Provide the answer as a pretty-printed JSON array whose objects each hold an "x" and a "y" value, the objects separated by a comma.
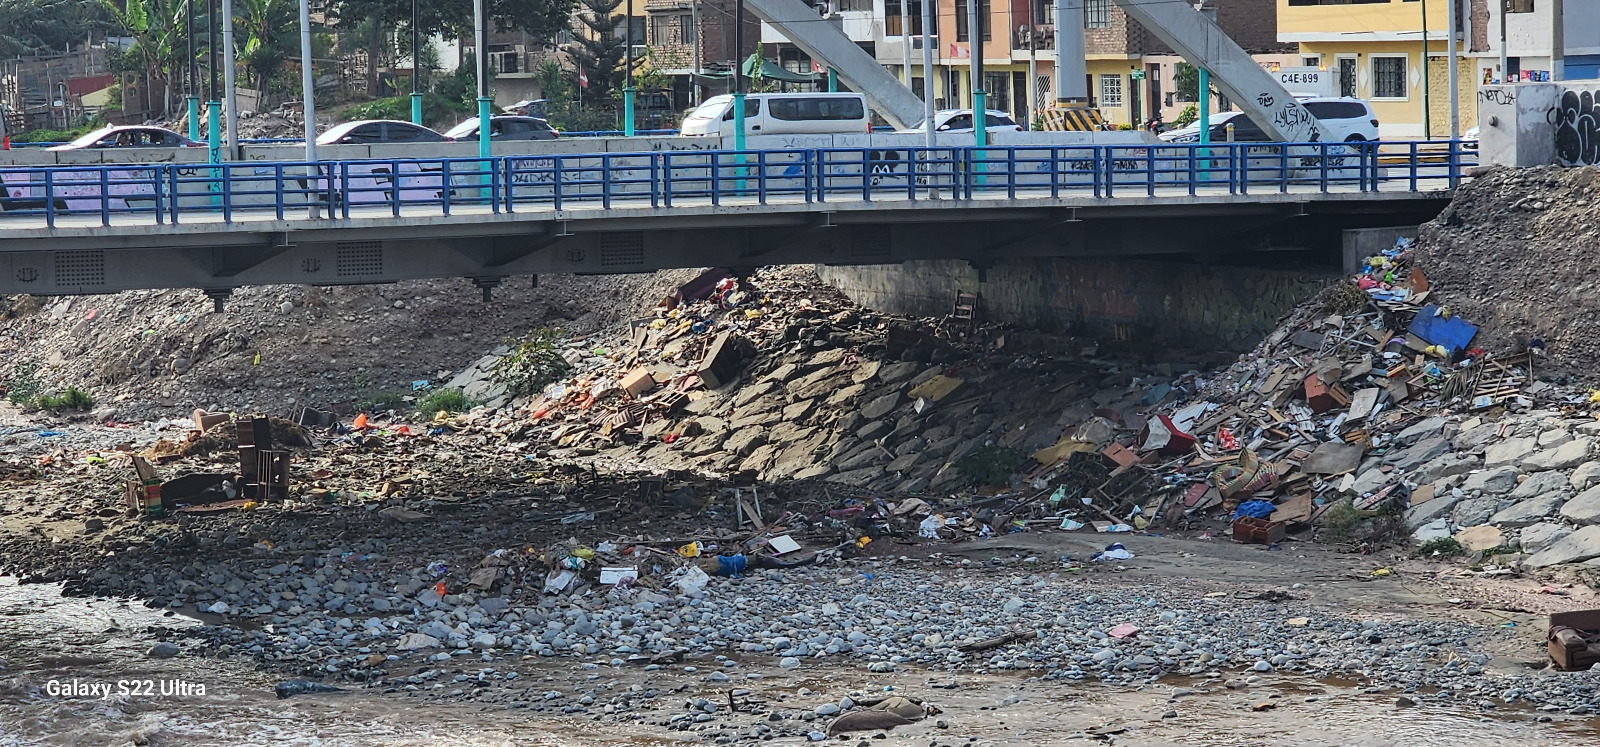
[{"x": 1205, "y": 122}]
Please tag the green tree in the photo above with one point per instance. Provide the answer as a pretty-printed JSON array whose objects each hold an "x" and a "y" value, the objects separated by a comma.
[
  {"x": 156, "y": 27},
  {"x": 270, "y": 29},
  {"x": 600, "y": 52},
  {"x": 39, "y": 26}
]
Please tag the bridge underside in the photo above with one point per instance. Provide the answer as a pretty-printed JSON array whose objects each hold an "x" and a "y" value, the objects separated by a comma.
[{"x": 219, "y": 257}]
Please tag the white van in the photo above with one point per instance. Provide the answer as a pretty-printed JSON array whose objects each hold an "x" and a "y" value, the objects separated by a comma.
[{"x": 782, "y": 114}]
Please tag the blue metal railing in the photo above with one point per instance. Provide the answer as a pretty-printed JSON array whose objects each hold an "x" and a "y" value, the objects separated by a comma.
[{"x": 176, "y": 192}]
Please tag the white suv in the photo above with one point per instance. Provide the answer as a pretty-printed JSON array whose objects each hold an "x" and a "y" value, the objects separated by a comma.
[{"x": 1345, "y": 121}]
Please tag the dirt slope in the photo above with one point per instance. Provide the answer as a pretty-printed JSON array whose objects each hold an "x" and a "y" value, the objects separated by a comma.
[
  {"x": 1517, "y": 253},
  {"x": 163, "y": 353}
]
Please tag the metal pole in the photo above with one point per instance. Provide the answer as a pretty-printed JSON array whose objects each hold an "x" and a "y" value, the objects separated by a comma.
[
  {"x": 1204, "y": 94},
  {"x": 1033, "y": 62},
  {"x": 1504, "y": 63},
  {"x": 694, "y": 20},
  {"x": 480, "y": 24},
  {"x": 213, "y": 106},
  {"x": 1427, "y": 122},
  {"x": 1558, "y": 40},
  {"x": 1455, "y": 102},
  {"x": 905, "y": 39},
  {"x": 229, "y": 83},
  {"x": 928, "y": 40},
  {"x": 192, "y": 99},
  {"x": 627, "y": 86},
  {"x": 416, "y": 65},
  {"x": 980, "y": 110},
  {"x": 738, "y": 77},
  {"x": 308, "y": 95}
]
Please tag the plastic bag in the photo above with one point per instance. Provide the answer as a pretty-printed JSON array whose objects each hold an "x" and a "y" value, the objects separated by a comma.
[
  {"x": 690, "y": 580},
  {"x": 929, "y": 528}
]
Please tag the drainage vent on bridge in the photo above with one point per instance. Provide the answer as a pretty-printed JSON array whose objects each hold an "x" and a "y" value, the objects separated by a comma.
[
  {"x": 80, "y": 269},
  {"x": 621, "y": 249},
  {"x": 354, "y": 259},
  {"x": 870, "y": 241}
]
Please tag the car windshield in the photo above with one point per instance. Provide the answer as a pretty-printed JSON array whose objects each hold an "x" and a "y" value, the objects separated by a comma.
[
  {"x": 710, "y": 109},
  {"x": 464, "y": 129},
  {"x": 92, "y": 138}
]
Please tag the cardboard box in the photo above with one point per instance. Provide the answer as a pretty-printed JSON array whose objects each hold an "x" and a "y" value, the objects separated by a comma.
[{"x": 638, "y": 382}]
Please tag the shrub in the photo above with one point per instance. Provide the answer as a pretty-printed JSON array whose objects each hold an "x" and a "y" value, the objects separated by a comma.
[
  {"x": 23, "y": 384},
  {"x": 72, "y": 399},
  {"x": 1443, "y": 547},
  {"x": 450, "y": 400},
  {"x": 534, "y": 362}
]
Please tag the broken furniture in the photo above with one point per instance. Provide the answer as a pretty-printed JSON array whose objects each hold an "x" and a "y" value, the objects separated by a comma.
[
  {"x": 1574, "y": 640},
  {"x": 263, "y": 470}
]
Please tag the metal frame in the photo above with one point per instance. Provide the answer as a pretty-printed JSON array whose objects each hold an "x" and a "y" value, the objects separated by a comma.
[{"x": 420, "y": 187}]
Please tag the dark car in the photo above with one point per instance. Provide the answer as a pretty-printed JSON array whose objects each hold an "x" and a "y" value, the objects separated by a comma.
[
  {"x": 505, "y": 127},
  {"x": 378, "y": 131}
]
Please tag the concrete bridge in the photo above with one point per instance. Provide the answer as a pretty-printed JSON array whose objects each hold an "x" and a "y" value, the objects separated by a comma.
[{"x": 113, "y": 227}]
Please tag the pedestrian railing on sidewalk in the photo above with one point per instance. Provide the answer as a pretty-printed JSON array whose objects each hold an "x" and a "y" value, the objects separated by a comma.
[{"x": 173, "y": 193}]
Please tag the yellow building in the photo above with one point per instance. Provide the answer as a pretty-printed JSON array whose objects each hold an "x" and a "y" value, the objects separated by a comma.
[{"x": 1377, "y": 49}]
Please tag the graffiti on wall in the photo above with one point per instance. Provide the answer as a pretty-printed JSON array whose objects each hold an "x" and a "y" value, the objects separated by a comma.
[{"x": 1577, "y": 121}]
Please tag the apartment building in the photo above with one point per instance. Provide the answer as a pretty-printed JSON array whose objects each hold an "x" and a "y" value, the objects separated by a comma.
[{"x": 1394, "y": 52}]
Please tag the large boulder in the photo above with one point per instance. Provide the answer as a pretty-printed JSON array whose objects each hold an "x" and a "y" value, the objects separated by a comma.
[
  {"x": 1539, "y": 484},
  {"x": 1423, "y": 513},
  {"x": 1478, "y": 539},
  {"x": 1529, "y": 511},
  {"x": 1473, "y": 511},
  {"x": 1510, "y": 451},
  {"x": 1586, "y": 476},
  {"x": 1565, "y": 456},
  {"x": 1448, "y": 465},
  {"x": 1536, "y": 537},
  {"x": 1577, "y": 547},
  {"x": 1496, "y": 481},
  {"x": 1419, "y": 430},
  {"x": 1419, "y": 453},
  {"x": 1585, "y": 509}
]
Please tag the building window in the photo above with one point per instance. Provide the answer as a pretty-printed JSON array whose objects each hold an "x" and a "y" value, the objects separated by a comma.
[
  {"x": 660, "y": 29},
  {"x": 1097, "y": 14},
  {"x": 962, "y": 9},
  {"x": 892, "y": 19},
  {"x": 1110, "y": 90},
  {"x": 686, "y": 28},
  {"x": 1311, "y": 60},
  {"x": 998, "y": 86},
  {"x": 1389, "y": 77}
]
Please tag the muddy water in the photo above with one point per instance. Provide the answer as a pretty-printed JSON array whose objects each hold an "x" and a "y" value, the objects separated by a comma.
[{"x": 47, "y": 638}]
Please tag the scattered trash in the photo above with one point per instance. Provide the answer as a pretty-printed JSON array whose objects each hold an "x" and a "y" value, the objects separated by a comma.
[{"x": 1114, "y": 551}]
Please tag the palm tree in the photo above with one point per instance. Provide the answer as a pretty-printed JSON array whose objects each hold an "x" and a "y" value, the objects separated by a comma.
[
  {"x": 268, "y": 27},
  {"x": 157, "y": 29}
]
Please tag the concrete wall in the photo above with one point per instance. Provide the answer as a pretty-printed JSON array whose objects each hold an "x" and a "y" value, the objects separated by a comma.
[{"x": 1192, "y": 306}]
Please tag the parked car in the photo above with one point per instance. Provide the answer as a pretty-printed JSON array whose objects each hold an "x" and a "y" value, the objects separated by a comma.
[
  {"x": 782, "y": 114},
  {"x": 1346, "y": 120},
  {"x": 378, "y": 131},
  {"x": 130, "y": 136},
  {"x": 956, "y": 121},
  {"x": 505, "y": 127}
]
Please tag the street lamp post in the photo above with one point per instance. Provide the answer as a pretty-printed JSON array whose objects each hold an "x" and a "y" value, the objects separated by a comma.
[
  {"x": 190, "y": 97},
  {"x": 416, "y": 66},
  {"x": 307, "y": 78},
  {"x": 627, "y": 85},
  {"x": 738, "y": 77},
  {"x": 213, "y": 106},
  {"x": 229, "y": 84},
  {"x": 980, "y": 109},
  {"x": 481, "y": 25}
]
